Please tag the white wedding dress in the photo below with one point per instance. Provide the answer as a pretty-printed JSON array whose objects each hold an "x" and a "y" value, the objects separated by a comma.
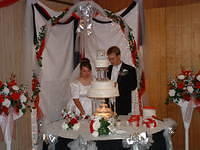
[{"x": 79, "y": 91}]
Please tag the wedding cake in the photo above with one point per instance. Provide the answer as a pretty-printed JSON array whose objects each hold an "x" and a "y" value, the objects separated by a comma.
[
  {"x": 103, "y": 89},
  {"x": 102, "y": 63},
  {"x": 101, "y": 60}
]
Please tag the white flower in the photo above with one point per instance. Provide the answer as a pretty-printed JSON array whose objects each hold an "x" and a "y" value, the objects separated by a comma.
[
  {"x": 6, "y": 91},
  {"x": 23, "y": 98},
  {"x": 96, "y": 125},
  {"x": 190, "y": 89},
  {"x": 14, "y": 87},
  {"x": 198, "y": 77},
  {"x": 65, "y": 126},
  {"x": 97, "y": 118},
  {"x": 181, "y": 77},
  {"x": 76, "y": 126},
  {"x": 172, "y": 93},
  {"x": 95, "y": 134},
  {"x": 124, "y": 70},
  {"x": 6, "y": 103}
]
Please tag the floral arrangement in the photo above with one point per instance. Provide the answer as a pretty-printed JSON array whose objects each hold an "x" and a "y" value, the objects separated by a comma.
[
  {"x": 13, "y": 96},
  {"x": 100, "y": 126},
  {"x": 185, "y": 87},
  {"x": 71, "y": 120}
]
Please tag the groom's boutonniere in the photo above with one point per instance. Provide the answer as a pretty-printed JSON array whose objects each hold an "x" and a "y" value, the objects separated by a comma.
[{"x": 123, "y": 72}]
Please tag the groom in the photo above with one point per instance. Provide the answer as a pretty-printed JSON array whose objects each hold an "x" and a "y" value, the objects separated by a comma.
[{"x": 125, "y": 76}]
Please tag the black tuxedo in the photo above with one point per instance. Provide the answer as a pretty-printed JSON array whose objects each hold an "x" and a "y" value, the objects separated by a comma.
[{"x": 127, "y": 81}]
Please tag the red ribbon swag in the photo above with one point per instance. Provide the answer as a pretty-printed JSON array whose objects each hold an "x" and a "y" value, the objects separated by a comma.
[{"x": 5, "y": 3}]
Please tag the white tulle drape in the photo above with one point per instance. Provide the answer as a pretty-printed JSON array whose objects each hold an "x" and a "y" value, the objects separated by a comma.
[{"x": 57, "y": 66}]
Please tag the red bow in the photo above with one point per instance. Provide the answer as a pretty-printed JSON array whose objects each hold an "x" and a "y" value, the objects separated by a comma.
[
  {"x": 134, "y": 118},
  {"x": 150, "y": 121}
]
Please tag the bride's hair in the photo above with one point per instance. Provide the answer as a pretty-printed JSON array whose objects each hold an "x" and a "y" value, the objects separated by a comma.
[{"x": 85, "y": 62}]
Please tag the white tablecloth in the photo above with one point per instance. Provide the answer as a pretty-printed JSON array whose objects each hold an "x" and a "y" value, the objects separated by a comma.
[{"x": 124, "y": 130}]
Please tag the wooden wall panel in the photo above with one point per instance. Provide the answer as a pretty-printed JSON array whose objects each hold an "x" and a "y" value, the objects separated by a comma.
[
  {"x": 180, "y": 49},
  {"x": 155, "y": 53},
  {"x": 148, "y": 4}
]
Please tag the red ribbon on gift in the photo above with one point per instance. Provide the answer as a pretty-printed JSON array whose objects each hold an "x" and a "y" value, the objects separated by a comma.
[
  {"x": 149, "y": 121},
  {"x": 135, "y": 118}
]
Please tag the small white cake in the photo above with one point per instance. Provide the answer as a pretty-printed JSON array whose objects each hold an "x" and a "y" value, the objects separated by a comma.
[
  {"x": 148, "y": 112},
  {"x": 101, "y": 59},
  {"x": 102, "y": 63},
  {"x": 148, "y": 117},
  {"x": 103, "y": 89}
]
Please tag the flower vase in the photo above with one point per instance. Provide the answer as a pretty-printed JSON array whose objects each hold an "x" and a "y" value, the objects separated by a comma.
[{"x": 187, "y": 111}]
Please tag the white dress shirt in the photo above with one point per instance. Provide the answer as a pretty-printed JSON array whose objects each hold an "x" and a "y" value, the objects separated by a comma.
[{"x": 115, "y": 72}]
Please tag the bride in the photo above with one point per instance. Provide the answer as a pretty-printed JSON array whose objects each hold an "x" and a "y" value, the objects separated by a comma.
[{"x": 80, "y": 103}]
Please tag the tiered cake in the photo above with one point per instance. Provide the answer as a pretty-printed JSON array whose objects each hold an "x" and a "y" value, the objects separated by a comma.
[{"x": 102, "y": 87}]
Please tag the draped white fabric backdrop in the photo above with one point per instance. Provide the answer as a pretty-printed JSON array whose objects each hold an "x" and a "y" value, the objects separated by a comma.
[{"x": 58, "y": 56}]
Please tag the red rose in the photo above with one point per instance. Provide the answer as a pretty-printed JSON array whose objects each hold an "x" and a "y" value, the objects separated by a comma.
[
  {"x": 35, "y": 81},
  {"x": 1, "y": 98},
  {"x": 181, "y": 85},
  {"x": 12, "y": 83},
  {"x": 35, "y": 84},
  {"x": 5, "y": 110},
  {"x": 186, "y": 73},
  {"x": 17, "y": 110},
  {"x": 8, "y": 97},
  {"x": 187, "y": 97},
  {"x": 91, "y": 126},
  {"x": 197, "y": 85},
  {"x": 15, "y": 96},
  {"x": 73, "y": 121}
]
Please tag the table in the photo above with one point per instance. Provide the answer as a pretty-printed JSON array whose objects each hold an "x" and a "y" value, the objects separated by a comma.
[{"x": 113, "y": 141}]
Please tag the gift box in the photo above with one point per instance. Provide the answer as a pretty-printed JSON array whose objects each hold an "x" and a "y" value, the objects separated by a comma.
[{"x": 149, "y": 117}]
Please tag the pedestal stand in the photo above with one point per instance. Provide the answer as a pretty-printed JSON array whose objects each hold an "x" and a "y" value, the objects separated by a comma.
[{"x": 187, "y": 111}]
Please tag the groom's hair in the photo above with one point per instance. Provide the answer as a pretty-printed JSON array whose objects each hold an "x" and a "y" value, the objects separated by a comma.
[{"x": 115, "y": 50}]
